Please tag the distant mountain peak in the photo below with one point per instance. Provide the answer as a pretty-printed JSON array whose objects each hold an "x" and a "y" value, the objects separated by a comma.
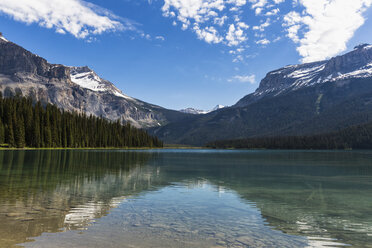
[
  {"x": 199, "y": 112},
  {"x": 2, "y": 37},
  {"x": 193, "y": 111},
  {"x": 218, "y": 106}
]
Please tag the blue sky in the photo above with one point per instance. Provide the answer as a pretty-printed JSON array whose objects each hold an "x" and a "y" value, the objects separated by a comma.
[{"x": 186, "y": 53}]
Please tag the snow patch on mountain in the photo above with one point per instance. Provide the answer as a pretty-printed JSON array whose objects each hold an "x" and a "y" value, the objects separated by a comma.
[
  {"x": 364, "y": 72},
  {"x": 363, "y": 46},
  {"x": 119, "y": 94},
  {"x": 87, "y": 78},
  {"x": 2, "y": 38},
  {"x": 218, "y": 106},
  {"x": 306, "y": 73}
]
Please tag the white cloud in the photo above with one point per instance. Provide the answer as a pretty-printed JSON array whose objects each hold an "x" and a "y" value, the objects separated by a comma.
[
  {"x": 259, "y": 4},
  {"x": 209, "y": 34},
  {"x": 235, "y": 36},
  {"x": 238, "y": 58},
  {"x": 272, "y": 12},
  {"x": 198, "y": 10},
  {"x": 209, "y": 19},
  {"x": 76, "y": 17},
  {"x": 263, "y": 42},
  {"x": 237, "y": 2},
  {"x": 220, "y": 21},
  {"x": 237, "y": 51},
  {"x": 258, "y": 11},
  {"x": 277, "y": 39},
  {"x": 324, "y": 27},
  {"x": 262, "y": 26},
  {"x": 145, "y": 36},
  {"x": 264, "y": 5},
  {"x": 243, "y": 79},
  {"x": 159, "y": 37},
  {"x": 243, "y": 25},
  {"x": 293, "y": 33},
  {"x": 292, "y": 18}
]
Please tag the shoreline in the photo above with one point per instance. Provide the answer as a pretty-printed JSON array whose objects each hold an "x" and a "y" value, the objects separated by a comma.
[{"x": 98, "y": 148}]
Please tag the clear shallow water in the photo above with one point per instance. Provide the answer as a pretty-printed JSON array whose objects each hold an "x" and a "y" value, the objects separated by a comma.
[{"x": 185, "y": 198}]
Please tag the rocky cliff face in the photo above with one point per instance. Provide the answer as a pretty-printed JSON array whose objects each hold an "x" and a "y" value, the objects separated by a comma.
[
  {"x": 74, "y": 89},
  {"x": 15, "y": 59}
]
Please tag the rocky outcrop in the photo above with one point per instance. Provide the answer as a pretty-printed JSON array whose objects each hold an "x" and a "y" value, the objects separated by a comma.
[{"x": 14, "y": 58}]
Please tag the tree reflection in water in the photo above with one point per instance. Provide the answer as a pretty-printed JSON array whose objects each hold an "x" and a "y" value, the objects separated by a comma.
[{"x": 323, "y": 197}]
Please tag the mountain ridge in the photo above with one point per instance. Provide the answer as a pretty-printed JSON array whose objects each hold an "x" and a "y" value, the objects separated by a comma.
[
  {"x": 292, "y": 77},
  {"x": 72, "y": 89},
  {"x": 282, "y": 105}
]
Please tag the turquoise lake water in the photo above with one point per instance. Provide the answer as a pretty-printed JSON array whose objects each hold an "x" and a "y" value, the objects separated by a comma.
[{"x": 185, "y": 198}]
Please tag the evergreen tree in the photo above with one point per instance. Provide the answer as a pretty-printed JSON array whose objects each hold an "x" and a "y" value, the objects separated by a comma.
[
  {"x": 9, "y": 137},
  {"x": 19, "y": 134},
  {"x": 36, "y": 136},
  {"x": 2, "y": 132}
]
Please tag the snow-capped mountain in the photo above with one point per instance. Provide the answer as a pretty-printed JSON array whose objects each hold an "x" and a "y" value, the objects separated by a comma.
[
  {"x": 77, "y": 89},
  {"x": 200, "y": 112},
  {"x": 355, "y": 64},
  {"x": 305, "y": 99},
  {"x": 219, "y": 106}
]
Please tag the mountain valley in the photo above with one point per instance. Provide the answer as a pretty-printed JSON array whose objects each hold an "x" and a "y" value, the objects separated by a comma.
[{"x": 302, "y": 99}]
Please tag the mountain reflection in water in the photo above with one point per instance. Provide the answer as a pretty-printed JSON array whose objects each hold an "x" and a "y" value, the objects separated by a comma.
[{"x": 201, "y": 198}]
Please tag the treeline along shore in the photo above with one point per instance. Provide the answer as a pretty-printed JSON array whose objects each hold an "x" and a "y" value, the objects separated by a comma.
[
  {"x": 354, "y": 137},
  {"x": 25, "y": 123}
]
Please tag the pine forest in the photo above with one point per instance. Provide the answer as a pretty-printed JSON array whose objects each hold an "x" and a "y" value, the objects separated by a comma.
[{"x": 24, "y": 123}]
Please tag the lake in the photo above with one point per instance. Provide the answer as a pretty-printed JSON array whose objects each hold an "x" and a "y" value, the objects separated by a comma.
[{"x": 185, "y": 198}]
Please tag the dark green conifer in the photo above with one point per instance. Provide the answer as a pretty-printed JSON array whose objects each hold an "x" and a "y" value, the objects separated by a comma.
[
  {"x": 19, "y": 133},
  {"x": 2, "y": 132},
  {"x": 9, "y": 135}
]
